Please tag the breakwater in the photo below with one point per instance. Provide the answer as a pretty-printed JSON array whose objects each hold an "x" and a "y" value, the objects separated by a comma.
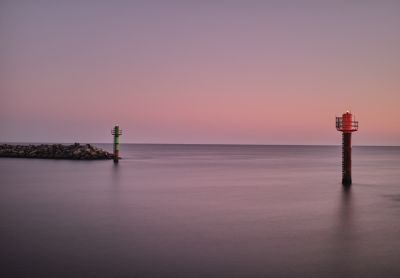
[{"x": 55, "y": 151}]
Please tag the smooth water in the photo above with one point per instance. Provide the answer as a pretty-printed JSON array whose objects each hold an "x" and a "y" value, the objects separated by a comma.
[{"x": 202, "y": 211}]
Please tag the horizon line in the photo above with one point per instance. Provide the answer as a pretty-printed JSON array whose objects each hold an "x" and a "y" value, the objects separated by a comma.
[{"x": 209, "y": 144}]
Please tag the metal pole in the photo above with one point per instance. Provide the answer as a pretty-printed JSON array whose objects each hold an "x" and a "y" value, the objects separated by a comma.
[
  {"x": 116, "y": 132},
  {"x": 346, "y": 161}
]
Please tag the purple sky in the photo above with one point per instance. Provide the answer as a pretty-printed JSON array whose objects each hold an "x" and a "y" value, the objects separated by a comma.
[{"x": 256, "y": 72}]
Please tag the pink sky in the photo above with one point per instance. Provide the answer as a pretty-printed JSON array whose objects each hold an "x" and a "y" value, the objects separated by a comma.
[{"x": 215, "y": 72}]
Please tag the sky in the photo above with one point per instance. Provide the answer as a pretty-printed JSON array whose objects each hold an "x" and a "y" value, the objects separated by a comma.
[{"x": 213, "y": 72}]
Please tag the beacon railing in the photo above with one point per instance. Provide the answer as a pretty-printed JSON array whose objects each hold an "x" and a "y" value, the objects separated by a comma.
[{"x": 351, "y": 126}]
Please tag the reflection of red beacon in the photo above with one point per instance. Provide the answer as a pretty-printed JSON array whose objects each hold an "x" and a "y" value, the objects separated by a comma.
[{"x": 346, "y": 125}]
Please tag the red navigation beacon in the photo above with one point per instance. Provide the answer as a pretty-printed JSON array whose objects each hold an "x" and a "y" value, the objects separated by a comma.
[{"x": 346, "y": 124}]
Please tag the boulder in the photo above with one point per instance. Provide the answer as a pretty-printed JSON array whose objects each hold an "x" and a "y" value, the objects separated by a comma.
[{"x": 55, "y": 151}]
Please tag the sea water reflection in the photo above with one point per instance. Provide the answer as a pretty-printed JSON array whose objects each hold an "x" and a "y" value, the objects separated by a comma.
[{"x": 202, "y": 211}]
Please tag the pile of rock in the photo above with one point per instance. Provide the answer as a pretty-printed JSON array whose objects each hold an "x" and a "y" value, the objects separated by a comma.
[{"x": 55, "y": 151}]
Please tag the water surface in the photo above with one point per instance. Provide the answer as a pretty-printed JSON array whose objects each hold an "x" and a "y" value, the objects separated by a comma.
[{"x": 202, "y": 211}]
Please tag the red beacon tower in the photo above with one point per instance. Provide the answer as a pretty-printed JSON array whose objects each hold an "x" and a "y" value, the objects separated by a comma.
[{"x": 347, "y": 125}]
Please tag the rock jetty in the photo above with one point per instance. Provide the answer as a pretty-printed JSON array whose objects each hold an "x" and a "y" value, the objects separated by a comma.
[{"x": 55, "y": 151}]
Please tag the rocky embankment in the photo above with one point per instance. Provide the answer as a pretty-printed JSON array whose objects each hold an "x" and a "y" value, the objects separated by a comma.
[{"x": 55, "y": 151}]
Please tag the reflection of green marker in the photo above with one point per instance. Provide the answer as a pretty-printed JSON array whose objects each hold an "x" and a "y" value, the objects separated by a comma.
[{"x": 116, "y": 132}]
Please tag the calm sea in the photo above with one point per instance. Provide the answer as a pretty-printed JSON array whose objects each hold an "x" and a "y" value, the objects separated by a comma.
[{"x": 202, "y": 211}]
